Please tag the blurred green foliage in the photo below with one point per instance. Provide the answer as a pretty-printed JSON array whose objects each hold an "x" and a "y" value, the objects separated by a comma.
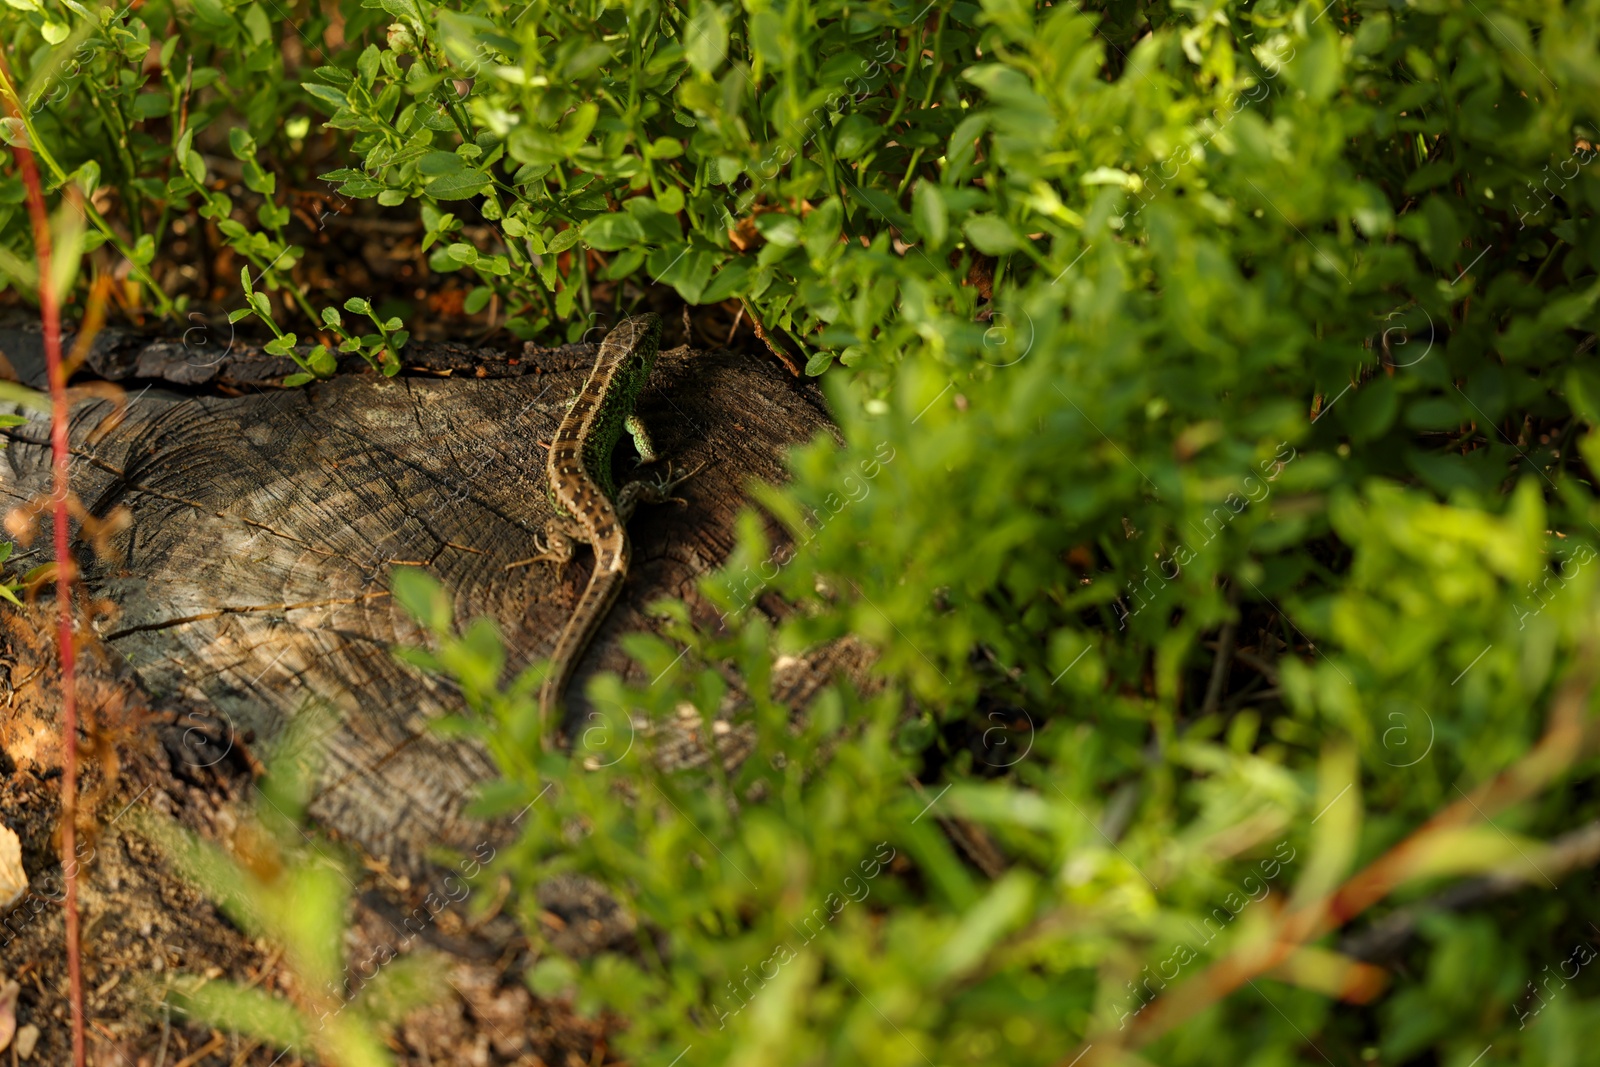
[
  {"x": 278, "y": 883},
  {"x": 1168, "y": 328}
]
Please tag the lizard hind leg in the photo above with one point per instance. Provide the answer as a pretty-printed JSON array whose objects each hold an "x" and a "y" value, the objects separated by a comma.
[
  {"x": 558, "y": 546},
  {"x": 647, "y": 491}
]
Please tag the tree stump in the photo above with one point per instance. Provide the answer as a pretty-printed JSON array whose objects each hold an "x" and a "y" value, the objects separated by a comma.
[{"x": 247, "y": 578}]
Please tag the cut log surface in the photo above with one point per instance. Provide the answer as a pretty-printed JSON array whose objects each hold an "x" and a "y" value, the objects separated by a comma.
[{"x": 254, "y": 576}]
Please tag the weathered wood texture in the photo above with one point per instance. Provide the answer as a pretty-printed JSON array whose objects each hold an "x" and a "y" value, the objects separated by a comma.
[{"x": 253, "y": 579}]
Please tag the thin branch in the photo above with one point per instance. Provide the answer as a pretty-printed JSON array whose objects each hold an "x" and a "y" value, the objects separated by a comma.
[
  {"x": 50, "y": 312},
  {"x": 1219, "y": 668},
  {"x": 1572, "y": 850},
  {"x": 1564, "y": 740}
]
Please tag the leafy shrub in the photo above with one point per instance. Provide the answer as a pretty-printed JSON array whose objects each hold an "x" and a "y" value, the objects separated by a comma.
[{"x": 1173, "y": 333}]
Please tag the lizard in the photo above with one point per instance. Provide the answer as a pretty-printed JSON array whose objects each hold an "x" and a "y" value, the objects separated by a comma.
[{"x": 596, "y": 511}]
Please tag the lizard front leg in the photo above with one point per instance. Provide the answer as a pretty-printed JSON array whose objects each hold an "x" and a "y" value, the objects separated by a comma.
[
  {"x": 561, "y": 536},
  {"x": 641, "y": 439},
  {"x": 648, "y": 491}
]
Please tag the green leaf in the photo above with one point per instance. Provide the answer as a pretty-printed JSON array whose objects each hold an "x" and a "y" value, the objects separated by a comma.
[
  {"x": 194, "y": 167},
  {"x": 779, "y": 229},
  {"x": 421, "y": 595},
  {"x": 659, "y": 225},
  {"x": 818, "y": 363},
  {"x": 459, "y": 185},
  {"x": 854, "y": 135},
  {"x": 246, "y": 1010},
  {"x": 563, "y": 240},
  {"x": 553, "y": 977},
  {"x": 611, "y": 232},
  {"x": 727, "y": 281},
  {"x": 261, "y": 181},
  {"x": 624, "y": 264},
  {"x": 367, "y": 65},
  {"x": 333, "y": 99},
  {"x": 991, "y": 235},
  {"x": 241, "y": 144},
  {"x": 1370, "y": 411},
  {"x": 670, "y": 200},
  {"x": 13, "y": 393},
  {"x": 683, "y": 267},
  {"x": 434, "y": 164},
  {"x": 930, "y": 214},
  {"x": 706, "y": 38}
]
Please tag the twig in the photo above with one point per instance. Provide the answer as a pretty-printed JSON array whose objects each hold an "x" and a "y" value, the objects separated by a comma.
[
  {"x": 1563, "y": 741},
  {"x": 1261, "y": 666},
  {"x": 216, "y": 1042},
  {"x": 761, "y": 332},
  {"x": 166, "y": 1034},
  {"x": 1219, "y": 668},
  {"x": 1572, "y": 850},
  {"x": 970, "y": 838},
  {"x": 60, "y": 458},
  {"x": 266, "y": 967}
]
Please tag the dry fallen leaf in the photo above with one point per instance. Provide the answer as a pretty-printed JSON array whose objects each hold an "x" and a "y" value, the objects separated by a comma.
[
  {"x": 13, "y": 879},
  {"x": 8, "y": 1013}
]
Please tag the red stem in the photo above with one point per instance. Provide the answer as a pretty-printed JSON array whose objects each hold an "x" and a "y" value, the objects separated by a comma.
[{"x": 60, "y": 456}]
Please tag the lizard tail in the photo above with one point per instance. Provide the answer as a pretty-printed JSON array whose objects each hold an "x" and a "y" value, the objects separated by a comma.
[{"x": 604, "y": 586}]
